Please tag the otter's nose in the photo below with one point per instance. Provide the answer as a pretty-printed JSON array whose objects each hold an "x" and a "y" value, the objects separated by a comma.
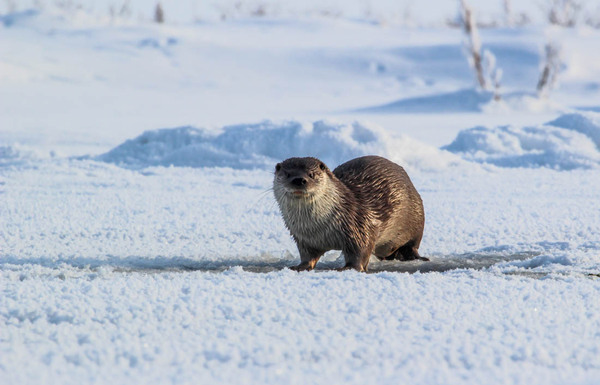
[{"x": 299, "y": 182}]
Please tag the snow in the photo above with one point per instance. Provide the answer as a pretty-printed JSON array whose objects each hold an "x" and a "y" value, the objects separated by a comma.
[
  {"x": 428, "y": 12},
  {"x": 571, "y": 141},
  {"x": 468, "y": 100},
  {"x": 140, "y": 241},
  {"x": 264, "y": 144},
  {"x": 239, "y": 327}
]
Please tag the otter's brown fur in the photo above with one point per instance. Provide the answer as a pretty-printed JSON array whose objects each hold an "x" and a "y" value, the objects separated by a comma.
[{"x": 366, "y": 206}]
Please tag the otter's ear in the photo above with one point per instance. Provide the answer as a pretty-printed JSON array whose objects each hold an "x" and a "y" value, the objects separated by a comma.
[
  {"x": 322, "y": 166},
  {"x": 277, "y": 167}
]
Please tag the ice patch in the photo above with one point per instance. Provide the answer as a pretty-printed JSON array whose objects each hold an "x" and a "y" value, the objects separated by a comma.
[
  {"x": 557, "y": 262},
  {"x": 572, "y": 141},
  {"x": 540, "y": 261},
  {"x": 261, "y": 145}
]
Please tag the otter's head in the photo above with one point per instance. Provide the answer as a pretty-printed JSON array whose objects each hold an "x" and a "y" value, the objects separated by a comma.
[{"x": 300, "y": 178}]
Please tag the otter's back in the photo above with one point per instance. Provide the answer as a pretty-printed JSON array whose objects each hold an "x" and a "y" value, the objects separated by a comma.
[
  {"x": 378, "y": 177},
  {"x": 387, "y": 192}
]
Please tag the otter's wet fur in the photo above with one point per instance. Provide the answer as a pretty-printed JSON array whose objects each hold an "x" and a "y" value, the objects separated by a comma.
[{"x": 366, "y": 206}]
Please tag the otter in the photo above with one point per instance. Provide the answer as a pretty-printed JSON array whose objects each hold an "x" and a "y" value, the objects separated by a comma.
[{"x": 366, "y": 206}]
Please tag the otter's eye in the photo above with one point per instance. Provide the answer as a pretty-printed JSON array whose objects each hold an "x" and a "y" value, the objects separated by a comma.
[
  {"x": 311, "y": 175},
  {"x": 278, "y": 167},
  {"x": 322, "y": 166}
]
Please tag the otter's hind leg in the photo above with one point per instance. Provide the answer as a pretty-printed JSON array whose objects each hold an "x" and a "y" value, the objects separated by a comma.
[
  {"x": 408, "y": 252},
  {"x": 357, "y": 258}
]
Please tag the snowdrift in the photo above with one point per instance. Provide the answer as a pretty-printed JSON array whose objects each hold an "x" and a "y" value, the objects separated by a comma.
[
  {"x": 8, "y": 155},
  {"x": 15, "y": 155},
  {"x": 262, "y": 145},
  {"x": 570, "y": 142}
]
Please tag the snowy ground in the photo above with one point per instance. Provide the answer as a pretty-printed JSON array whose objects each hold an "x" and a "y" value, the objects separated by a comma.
[{"x": 140, "y": 242}]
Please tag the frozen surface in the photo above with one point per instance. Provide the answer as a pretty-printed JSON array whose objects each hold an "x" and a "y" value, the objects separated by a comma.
[
  {"x": 140, "y": 242},
  {"x": 284, "y": 327},
  {"x": 111, "y": 275}
]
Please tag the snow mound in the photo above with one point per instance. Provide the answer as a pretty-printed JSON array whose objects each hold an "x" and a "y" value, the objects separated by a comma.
[
  {"x": 467, "y": 100},
  {"x": 261, "y": 145},
  {"x": 8, "y": 154},
  {"x": 14, "y": 155},
  {"x": 572, "y": 141},
  {"x": 584, "y": 123}
]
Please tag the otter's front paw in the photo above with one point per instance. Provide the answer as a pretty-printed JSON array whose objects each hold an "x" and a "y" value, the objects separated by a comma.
[{"x": 304, "y": 266}]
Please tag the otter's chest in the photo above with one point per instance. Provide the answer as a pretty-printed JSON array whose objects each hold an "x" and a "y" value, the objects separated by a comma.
[{"x": 315, "y": 228}]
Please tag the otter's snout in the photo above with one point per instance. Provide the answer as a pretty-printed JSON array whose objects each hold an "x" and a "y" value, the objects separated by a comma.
[{"x": 298, "y": 182}]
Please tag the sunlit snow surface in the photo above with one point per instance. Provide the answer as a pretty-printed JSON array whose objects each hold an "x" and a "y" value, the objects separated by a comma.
[{"x": 140, "y": 242}]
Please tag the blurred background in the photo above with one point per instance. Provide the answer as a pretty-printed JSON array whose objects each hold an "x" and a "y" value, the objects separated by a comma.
[
  {"x": 79, "y": 77},
  {"x": 404, "y": 12}
]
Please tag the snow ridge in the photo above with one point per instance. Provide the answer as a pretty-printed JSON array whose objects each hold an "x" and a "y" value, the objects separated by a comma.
[
  {"x": 572, "y": 141},
  {"x": 261, "y": 145}
]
